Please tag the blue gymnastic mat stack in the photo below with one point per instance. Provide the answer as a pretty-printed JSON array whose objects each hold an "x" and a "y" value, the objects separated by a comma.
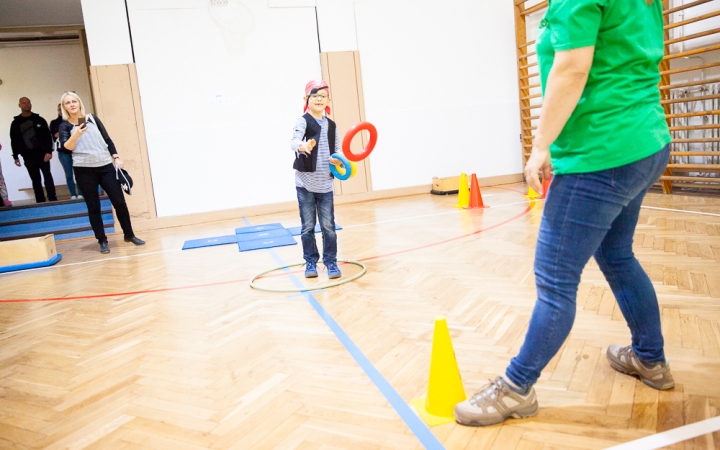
[
  {"x": 253, "y": 237},
  {"x": 65, "y": 219}
]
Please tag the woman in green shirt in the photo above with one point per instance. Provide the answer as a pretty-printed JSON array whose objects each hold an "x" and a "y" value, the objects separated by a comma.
[{"x": 603, "y": 131}]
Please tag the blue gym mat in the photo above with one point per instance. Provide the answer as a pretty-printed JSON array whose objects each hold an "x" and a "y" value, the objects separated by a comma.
[
  {"x": 280, "y": 232},
  {"x": 257, "y": 244},
  {"x": 255, "y": 229},
  {"x": 254, "y": 237},
  {"x": 209, "y": 242},
  {"x": 295, "y": 231}
]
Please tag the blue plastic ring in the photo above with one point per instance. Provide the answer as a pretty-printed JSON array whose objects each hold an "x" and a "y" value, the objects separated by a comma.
[{"x": 348, "y": 169}]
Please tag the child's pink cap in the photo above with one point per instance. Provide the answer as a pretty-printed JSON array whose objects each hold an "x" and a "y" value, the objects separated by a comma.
[{"x": 316, "y": 85}]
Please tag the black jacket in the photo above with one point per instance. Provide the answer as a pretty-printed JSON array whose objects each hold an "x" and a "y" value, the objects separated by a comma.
[
  {"x": 307, "y": 163},
  {"x": 30, "y": 136},
  {"x": 66, "y": 127}
]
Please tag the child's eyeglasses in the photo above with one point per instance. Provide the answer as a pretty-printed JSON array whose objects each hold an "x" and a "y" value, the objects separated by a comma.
[{"x": 319, "y": 97}]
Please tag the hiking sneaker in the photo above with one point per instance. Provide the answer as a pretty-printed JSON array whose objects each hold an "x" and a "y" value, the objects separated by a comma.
[
  {"x": 333, "y": 270},
  {"x": 656, "y": 375},
  {"x": 310, "y": 270},
  {"x": 495, "y": 403}
]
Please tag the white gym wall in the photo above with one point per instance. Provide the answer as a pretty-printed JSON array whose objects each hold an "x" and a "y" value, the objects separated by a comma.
[
  {"x": 440, "y": 83},
  {"x": 222, "y": 87}
]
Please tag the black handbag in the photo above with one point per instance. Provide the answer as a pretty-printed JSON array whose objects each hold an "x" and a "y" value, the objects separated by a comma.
[{"x": 125, "y": 180}]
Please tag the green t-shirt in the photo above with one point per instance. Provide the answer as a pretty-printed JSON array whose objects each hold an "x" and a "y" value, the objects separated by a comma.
[{"x": 619, "y": 119}]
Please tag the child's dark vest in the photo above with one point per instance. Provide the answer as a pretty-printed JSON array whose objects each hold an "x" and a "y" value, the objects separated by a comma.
[{"x": 307, "y": 163}]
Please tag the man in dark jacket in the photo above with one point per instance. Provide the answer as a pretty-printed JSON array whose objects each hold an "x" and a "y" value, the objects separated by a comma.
[{"x": 30, "y": 138}]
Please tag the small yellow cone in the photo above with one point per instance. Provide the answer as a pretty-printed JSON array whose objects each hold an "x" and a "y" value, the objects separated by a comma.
[
  {"x": 531, "y": 194},
  {"x": 445, "y": 388},
  {"x": 463, "y": 192}
]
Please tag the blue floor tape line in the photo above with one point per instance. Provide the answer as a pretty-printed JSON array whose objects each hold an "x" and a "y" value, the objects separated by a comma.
[{"x": 416, "y": 425}]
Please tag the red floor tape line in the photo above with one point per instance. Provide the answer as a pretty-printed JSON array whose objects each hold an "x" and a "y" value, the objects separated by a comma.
[{"x": 220, "y": 283}]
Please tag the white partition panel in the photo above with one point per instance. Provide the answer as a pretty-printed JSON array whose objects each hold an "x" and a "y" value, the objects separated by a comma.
[
  {"x": 221, "y": 84},
  {"x": 336, "y": 20},
  {"x": 440, "y": 85},
  {"x": 108, "y": 35}
]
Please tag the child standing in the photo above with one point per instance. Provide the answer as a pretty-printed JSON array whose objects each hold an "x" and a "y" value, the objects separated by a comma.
[{"x": 314, "y": 140}]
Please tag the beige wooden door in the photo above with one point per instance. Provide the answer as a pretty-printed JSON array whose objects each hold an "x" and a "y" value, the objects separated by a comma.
[{"x": 342, "y": 72}]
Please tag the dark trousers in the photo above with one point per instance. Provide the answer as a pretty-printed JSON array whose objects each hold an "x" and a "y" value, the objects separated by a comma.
[
  {"x": 35, "y": 165},
  {"x": 88, "y": 179}
]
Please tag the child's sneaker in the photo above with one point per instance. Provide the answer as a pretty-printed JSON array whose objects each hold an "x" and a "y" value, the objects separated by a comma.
[
  {"x": 625, "y": 360},
  {"x": 333, "y": 270},
  {"x": 495, "y": 403},
  {"x": 310, "y": 270}
]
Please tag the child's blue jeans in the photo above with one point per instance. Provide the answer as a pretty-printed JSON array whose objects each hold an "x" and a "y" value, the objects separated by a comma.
[
  {"x": 591, "y": 214},
  {"x": 314, "y": 205}
]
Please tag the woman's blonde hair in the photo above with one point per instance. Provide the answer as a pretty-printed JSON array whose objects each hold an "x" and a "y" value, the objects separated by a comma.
[{"x": 65, "y": 114}]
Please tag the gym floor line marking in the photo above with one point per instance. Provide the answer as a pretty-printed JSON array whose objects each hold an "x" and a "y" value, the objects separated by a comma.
[
  {"x": 681, "y": 210},
  {"x": 120, "y": 294},
  {"x": 150, "y": 291},
  {"x": 429, "y": 215},
  {"x": 673, "y": 436},
  {"x": 413, "y": 422},
  {"x": 57, "y": 266}
]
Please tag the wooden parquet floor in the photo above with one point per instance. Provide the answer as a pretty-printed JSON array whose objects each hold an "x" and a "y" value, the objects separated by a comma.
[{"x": 156, "y": 348}]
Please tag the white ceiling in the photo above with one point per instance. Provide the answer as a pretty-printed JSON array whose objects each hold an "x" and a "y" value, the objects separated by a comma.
[{"x": 35, "y": 13}]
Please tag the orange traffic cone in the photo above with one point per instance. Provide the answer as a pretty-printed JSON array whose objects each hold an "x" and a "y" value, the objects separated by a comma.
[
  {"x": 463, "y": 192},
  {"x": 445, "y": 388},
  {"x": 476, "y": 201},
  {"x": 546, "y": 186}
]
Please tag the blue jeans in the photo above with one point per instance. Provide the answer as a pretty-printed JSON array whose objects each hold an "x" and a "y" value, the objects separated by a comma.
[
  {"x": 591, "y": 214},
  {"x": 67, "y": 165},
  {"x": 311, "y": 205}
]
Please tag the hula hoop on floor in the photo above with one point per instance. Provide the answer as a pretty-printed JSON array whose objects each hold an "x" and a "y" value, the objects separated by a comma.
[
  {"x": 355, "y": 129},
  {"x": 314, "y": 288}
]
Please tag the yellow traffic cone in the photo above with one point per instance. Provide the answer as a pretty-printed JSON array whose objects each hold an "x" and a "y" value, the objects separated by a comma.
[
  {"x": 531, "y": 194},
  {"x": 445, "y": 388},
  {"x": 463, "y": 192}
]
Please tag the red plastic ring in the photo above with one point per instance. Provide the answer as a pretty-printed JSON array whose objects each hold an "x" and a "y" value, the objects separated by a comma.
[{"x": 355, "y": 129}]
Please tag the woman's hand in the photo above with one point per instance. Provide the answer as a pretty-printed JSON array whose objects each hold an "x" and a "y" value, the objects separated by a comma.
[
  {"x": 118, "y": 163},
  {"x": 539, "y": 161},
  {"x": 335, "y": 162},
  {"x": 79, "y": 131}
]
